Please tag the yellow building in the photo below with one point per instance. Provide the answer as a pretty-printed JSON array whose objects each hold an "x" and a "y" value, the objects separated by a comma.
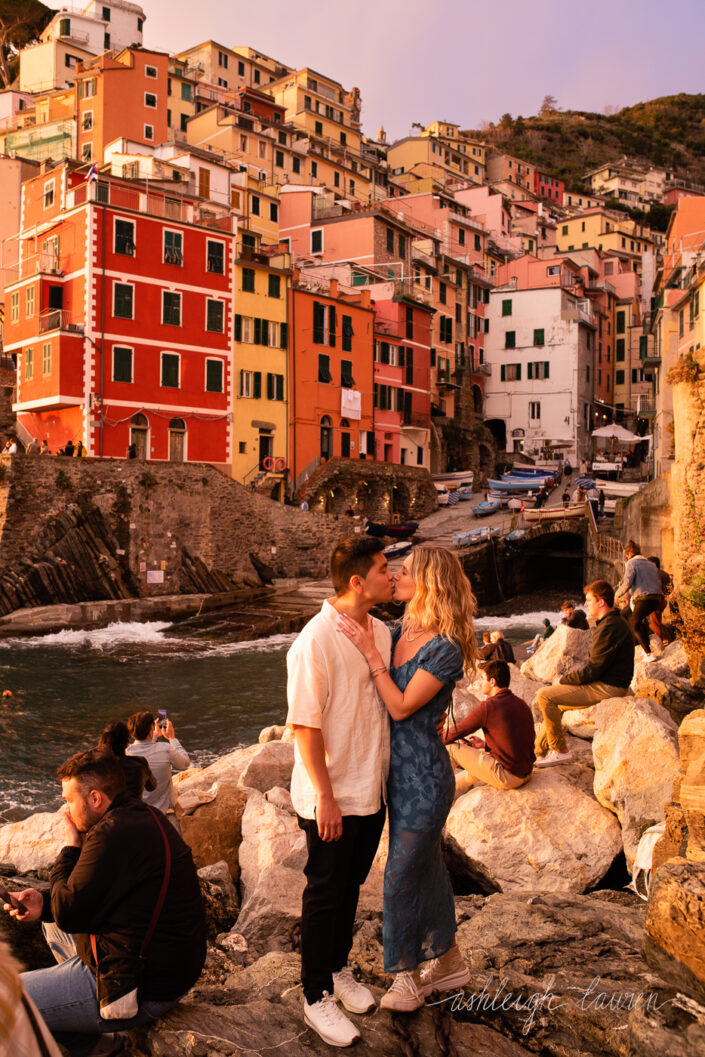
[
  {"x": 232, "y": 68},
  {"x": 604, "y": 230},
  {"x": 181, "y": 92},
  {"x": 260, "y": 402},
  {"x": 426, "y": 157},
  {"x": 460, "y": 148}
]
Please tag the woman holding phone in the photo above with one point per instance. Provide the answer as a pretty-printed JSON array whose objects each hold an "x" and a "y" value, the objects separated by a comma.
[
  {"x": 160, "y": 755},
  {"x": 431, "y": 648}
]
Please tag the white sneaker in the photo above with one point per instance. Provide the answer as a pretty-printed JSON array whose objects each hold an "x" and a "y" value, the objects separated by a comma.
[
  {"x": 328, "y": 1021},
  {"x": 404, "y": 995},
  {"x": 355, "y": 996},
  {"x": 552, "y": 758},
  {"x": 650, "y": 657}
]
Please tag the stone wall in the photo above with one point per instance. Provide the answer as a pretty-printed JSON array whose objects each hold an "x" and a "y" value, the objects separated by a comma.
[
  {"x": 81, "y": 529},
  {"x": 647, "y": 518},
  {"x": 375, "y": 490}
]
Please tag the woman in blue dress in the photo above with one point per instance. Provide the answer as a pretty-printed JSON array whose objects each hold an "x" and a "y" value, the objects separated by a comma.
[{"x": 431, "y": 647}]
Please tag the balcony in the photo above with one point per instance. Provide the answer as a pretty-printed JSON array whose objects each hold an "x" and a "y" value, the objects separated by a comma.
[
  {"x": 645, "y": 407},
  {"x": 58, "y": 319},
  {"x": 649, "y": 356},
  {"x": 416, "y": 422},
  {"x": 483, "y": 368},
  {"x": 413, "y": 291},
  {"x": 46, "y": 262}
]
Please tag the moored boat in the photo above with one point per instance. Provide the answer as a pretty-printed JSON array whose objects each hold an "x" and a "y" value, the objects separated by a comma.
[
  {"x": 556, "y": 513},
  {"x": 400, "y": 532},
  {"x": 486, "y": 507}
]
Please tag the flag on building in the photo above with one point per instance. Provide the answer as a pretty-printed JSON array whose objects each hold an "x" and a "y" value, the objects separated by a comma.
[{"x": 92, "y": 174}]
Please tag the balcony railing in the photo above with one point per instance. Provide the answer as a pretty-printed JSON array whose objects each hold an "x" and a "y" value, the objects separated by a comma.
[
  {"x": 45, "y": 261},
  {"x": 645, "y": 406},
  {"x": 413, "y": 421},
  {"x": 58, "y": 319},
  {"x": 415, "y": 291},
  {"x": 483, "y": 368}
]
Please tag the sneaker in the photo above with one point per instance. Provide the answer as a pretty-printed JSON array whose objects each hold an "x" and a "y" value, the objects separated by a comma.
[
  {"x": 445, "y": 973},
  {"x": 650, "y": 657},
  {"x": 328, "y": 1021},
  {"x": 554, "y": 757},
  {"x": 355, "y": 996},
  {"x": 404, "y": 995}
]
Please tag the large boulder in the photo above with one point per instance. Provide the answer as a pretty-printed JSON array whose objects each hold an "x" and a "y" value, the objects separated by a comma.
[
  {"x": 212, "y": 829},
  {"x": 220, "y": 898},
  {"x": 272, "y": 858},
  {"x": 567, "y": 648},
  {"x": 546, "y": 836},
  {"x": 580, "y": 722},
  {"x": 667, "y": 681},
  {"x": 691, "y": 737},
  {"x": 33, "y": 843},
  {"x": 636, "y": 762},
  {"x": 674, "y": 936}
]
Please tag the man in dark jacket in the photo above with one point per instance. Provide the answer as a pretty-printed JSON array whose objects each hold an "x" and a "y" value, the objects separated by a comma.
[
  {"x": 608, "y": 673},
  {"x": 504, "y": 759},
  {"x": 106, "y": 887}
]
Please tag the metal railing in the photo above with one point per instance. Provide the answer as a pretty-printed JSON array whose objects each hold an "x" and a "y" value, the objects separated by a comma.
[
  {"x": 608, "y": 547},
  {"x": 58, "y": 319}
]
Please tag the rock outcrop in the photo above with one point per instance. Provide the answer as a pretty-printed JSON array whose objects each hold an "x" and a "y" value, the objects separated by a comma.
[
  {"x": 674, "y": 937},
  {"x": 33, "y": 843},
  {"x": 636, "y": 762},
  {"x": 567, "y": 648},
  {"x": 667, "y": 681}
]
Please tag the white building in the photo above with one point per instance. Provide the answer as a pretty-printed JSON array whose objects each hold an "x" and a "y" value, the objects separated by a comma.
[
  {"x": 540, "y": 348},
  {"x": 73, "y": 36}
]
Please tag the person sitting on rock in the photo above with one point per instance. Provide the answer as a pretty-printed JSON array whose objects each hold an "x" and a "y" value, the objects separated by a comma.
[
  {"x": 505, "y": 758},
  {"x": 503, "y": 649},
  {"x": 541, "y": 636},
  {"x": 642, "y": 584},
  {"x": 574, "y": 618},
  {"x": 607, "y": 673},
  {"x": 127, "y": 921},
  {"x": 488, "y": 649}
]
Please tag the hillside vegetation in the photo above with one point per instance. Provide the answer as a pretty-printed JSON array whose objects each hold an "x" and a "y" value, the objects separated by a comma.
[{"x": 669, "y": 132}]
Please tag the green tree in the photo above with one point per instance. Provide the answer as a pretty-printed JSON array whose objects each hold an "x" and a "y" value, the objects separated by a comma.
[{"x": 21, "y": 22}]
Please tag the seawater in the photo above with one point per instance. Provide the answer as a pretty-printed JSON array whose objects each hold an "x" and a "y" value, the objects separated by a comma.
[{"x": 68, "y": 686}]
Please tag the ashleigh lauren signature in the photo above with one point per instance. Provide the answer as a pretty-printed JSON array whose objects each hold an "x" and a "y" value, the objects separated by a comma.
[{"x": 588, "y": 998}]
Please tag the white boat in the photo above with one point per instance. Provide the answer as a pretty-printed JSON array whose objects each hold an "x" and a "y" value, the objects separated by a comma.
[
  {"x": 620, "y": 489},
  {"x": 556, "y": 513},
  {"x": 457, "y": 478},
  {"x": 478, "y": 535}
]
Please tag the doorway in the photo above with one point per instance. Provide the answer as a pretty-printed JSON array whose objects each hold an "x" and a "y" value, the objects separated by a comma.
[
  {"x": 139, "y": 430},
  {"x": 177, "y": 435}
]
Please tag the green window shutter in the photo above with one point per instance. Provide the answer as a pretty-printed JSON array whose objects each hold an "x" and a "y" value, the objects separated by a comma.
[
  {"x": 518, "y": 372},
  {"x": 546, "y": 366},
  {"x": 264, "y": 331},
  {"x": 258, "y": 331},
  {"x": 318, "y": 323},
  {"x": 331, "y": 325},
  {"x": 270, "y": 386},
  {"x": 279, "y": 390},
  {"x": 510, "y": 339},
  {"x": 503, "y": 373},
  {"x": 238, "y": 327},
  {"x": 284, "y": 336},
  {"x": 539, "y": 336},
  {"x": 506, "y": 308},
  {"x": 384, "y": 352},
  {"x": 531, "y": 371},
  {"x": 257, "y": 384},
  {"x": 324, "y": 374}
]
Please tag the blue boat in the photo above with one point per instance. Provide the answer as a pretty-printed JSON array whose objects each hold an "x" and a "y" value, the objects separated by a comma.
[
  {"x": 486, "y": 507},
  {"x": 515, "y": 484}
]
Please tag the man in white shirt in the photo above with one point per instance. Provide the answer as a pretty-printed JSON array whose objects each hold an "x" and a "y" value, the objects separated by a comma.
[
  {"x": 338, "y": 785},
  {"x": 160, "y": 756}
]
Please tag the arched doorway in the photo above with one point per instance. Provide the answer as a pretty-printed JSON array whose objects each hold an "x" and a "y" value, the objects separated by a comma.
[
  {"x": 498, "y": 429},
  {"x": 345, "y": 438},
  {"x": 177, "y": 436},
  {"x": 477, "y": 399},
  {"x": 326, "y": 437},
  {"x": 139, "y": 433}
]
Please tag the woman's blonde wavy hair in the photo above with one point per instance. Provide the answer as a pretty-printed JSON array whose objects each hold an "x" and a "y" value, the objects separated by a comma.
[
  {"x": 10, "y": 996},
  {"x": 443, "y": 600}
]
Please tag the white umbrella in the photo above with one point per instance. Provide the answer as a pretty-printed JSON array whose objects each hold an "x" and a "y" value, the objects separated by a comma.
[{"x": 617, "y": 433}]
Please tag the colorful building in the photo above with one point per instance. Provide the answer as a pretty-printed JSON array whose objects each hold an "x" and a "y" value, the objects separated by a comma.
[{"x": 121, "y": 319}]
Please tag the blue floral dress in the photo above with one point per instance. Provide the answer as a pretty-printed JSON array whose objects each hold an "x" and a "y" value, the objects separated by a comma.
[{"x": 419, "y": 909}]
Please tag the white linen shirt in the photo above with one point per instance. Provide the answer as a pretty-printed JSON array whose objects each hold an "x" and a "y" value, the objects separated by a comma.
[{"x": 330, "y": 688}]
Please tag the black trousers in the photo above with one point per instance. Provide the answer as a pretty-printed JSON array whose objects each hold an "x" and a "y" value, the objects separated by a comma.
[
  {"x": 334, "y": 872},
  {"x": 643, "y": 606}
]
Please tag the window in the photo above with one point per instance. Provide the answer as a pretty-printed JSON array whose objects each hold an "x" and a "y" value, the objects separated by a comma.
[
  {"x": 87, "y": 87},
  {"x": 446, "y": 328},
  {"x": 28, "y": 364},
  {"x": 274, "y": 212},
  {"x": 222, "y": 83},
  {"x": 539, "y": 337},
  {"x": 15, "y": 307},
  {"x": 621, "y": 324},
  {"x": 150, "y": 71},
  {"x": 215, "y": 257},
  {"x": 106, "y": 14},
  {"x": 248, "y": 280},
  {"x": 215, "y": 316},
  {"x": 247, "y": 387},
  {"x": 279, "y": 159},
  {"x": 390, "y": 240},
  {"x": 254, "y": 206},
  {"x": 317, "y": 240},
  {"x": 48, "y": 194},
  {"x": 46, "y": 358},
  {"x": 510, "y": 339},
  {"x": 506, "y": 308},
  {"x": 171, "y": 308},
  {"x": 318, "y": 127},
  {"x": 274, "y": 286},
  {"x": 681, "y": 323},
  {"x": 402, "y": 238},
  {"x": 223, "y": 60},
  {"x": 122, "y": 364},
  {"x": 442, "y": 293},
  {"x": 214, "y": 376},
  {"x": 173, "y": 247},
  {"x": 510, "y": 372},
  {"x": 106, "y": 41},
  {"x": 150, "y": 100},
  {"x": 87, "y": 152},
  {"x": 170, "y": 370},
  {"x": 314, "y": 169},
  {"x": 65, "y": 27},
  {"x": 125, "y": 237},
  {"x": 534, "y": 410},
  {"x": 323, "y": 324},
  {"x": 123, "y": 301},
  {"x": 256, "y": 76},
  {"x": 461, "y": 236},
  {"x": 324, "y": 374},
  {"x": 539, "y": 370},
  {"x": 87, "y": 121},
  {"x": 346, "y": 376},
  {"x": 619, "y": 377},
  {"x": 240, "y": 68},
  {"x": 336, "y": 179},
  {"x": 409, "y": 323},
  {"x": 29, "y": 302},
  {"x": 275, "y": 386},
  {"x": 149, "y": 131},
  {"x": 139, "y": 25},
  {"x": 348, "y": 333},
  {"x": 620, "y": 350},
  {"x": 296, "y": 165},
  {"x": 564, "y": 229}
]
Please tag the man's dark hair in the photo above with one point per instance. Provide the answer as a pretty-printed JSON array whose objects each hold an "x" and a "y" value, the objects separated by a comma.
[
  {"x": 353, "y": 556},
  {"x": 140, "y": 725},
  {"x": 656, "y": 560},
  {"x": 631, "y": 549},
  {"x": 601, "y": 589},
  {"x": 95, "y": 770},
  {"x": 115, "y": 738},
  {"x": 499, "y": 671}
]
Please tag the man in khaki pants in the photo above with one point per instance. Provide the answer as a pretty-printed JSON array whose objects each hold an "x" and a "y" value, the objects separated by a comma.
[
  {"x": 608, "y": 673},
  {"x": 505, "y": 758}
]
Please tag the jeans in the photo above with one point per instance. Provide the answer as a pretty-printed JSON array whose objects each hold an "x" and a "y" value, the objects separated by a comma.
[
  {"x": 555, "y": 700},
  {"x": 334, "y": 872},
  {"x": 65, "y": 995},
  {"x": 644, "y": 606}
]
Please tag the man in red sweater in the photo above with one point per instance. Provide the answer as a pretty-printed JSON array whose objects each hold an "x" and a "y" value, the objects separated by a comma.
[{"x": 505, "y": 758}]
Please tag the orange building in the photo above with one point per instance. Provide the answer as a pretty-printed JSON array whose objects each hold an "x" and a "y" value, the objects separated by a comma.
[{"x": 330, "y": 373}]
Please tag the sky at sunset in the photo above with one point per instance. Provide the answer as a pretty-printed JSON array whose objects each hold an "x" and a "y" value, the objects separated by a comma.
[{"x": 465, "y": 61}]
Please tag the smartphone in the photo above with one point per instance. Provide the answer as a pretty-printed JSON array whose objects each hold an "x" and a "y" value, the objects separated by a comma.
[
  {"x": 7, "y": 897},
  {"x": 162, "y": 721}
]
